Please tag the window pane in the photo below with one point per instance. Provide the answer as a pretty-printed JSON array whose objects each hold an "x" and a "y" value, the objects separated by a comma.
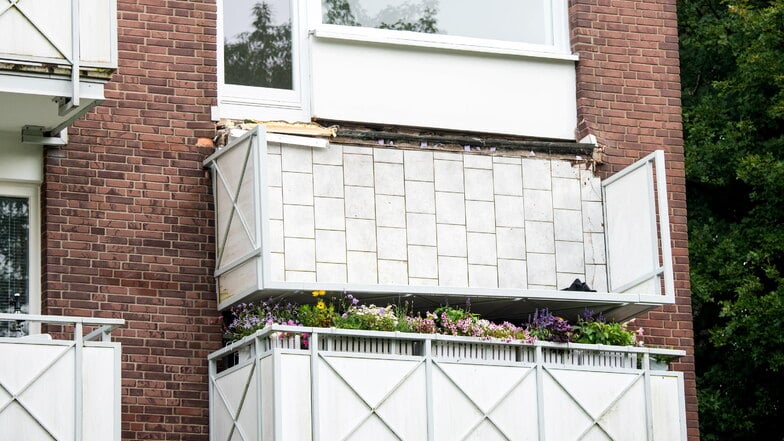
[
  {"x": 257, "y": 43},
  {"x": 14, "y": 259},
  {"x": 521, "y": 21}
]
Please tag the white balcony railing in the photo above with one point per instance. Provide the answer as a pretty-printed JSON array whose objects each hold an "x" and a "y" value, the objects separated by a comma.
[
  {"x": 62, "y": 390},
  {"x": 294, "y": 383}
]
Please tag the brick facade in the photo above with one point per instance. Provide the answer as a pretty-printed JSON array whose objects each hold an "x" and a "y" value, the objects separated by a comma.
[
  {"x": 628, "y": 96},
  {"x": 127, "y": 210},
  {"x": 128, "y": 220}
]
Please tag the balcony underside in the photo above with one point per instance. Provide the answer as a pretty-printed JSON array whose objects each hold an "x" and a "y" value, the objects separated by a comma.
[{"x": 28, "y": 99}]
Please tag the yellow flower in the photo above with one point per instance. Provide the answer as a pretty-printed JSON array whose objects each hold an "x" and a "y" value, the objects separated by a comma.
[
  {"x": 320, "y": 305},
  {"x": 318, "y": 293}
]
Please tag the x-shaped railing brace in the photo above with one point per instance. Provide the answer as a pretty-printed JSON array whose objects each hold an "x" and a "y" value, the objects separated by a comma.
[
  {"x": 15, "y": 396},
  {"x": 596, "y": 420},
  {"x": 235, "y": 414}
]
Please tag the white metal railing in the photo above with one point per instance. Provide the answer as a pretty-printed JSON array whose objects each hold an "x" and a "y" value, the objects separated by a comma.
[
  {"x": 63, "y": 390},
  {"x": 287, "y": 382},
  {"x": 74, "y": 34}
]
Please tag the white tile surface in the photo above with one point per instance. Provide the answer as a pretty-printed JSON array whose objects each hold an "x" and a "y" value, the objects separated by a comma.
[
  {"x": 275, "y": 202},
  {"x": 590, "y": 186},
  {"x": 450, "y": 208},
  {"x": 481, "y": 248},
  {"x": 509, "y": 211},
  {"x": 420, "y": 197},
  {"x": 390, "y": 211},
  {"x": 593, "y": 217},
  {"x": 568, "y": 225},
  {"x": 328, "y": 181},
  {"x": 296, "y": 159},
  {"x": 360, "y": 235},
  {"x": 566, "y": 193},
  {"x": 330, "y": 214},
  {"x": 300, "y": 254},
  {"x": 276, "y": 236},
  {"x": 536, "y": 174},
  {"x": 539, "y": 237},
  {"x": 449, "y": 176},
  {"x": 392, "y": 272},
  {"x": 300, "y": 276},
  {"x": 358, "y": 170},
  {"x": 422, "y": 262},
  {"x": 569, "y": 257},
  {"x": 388, "y": 155},
  {"x": 480, "y": 216},
  {"x": 541, "y": 269},
  {"x": 332, "y": 155},
  {"x": 330, "y": 246},
  {"x": 565, "y": 169},
  {"x": 362, "y": 267},
  {"x": 478, "y": 161},
  {"x": 277, "y": 270},
  {"x": 418, "y": 165},
  {"x": 595, "y": 248},
  {"x": 274, "y": 171},
  {"x": 538, "y": 205},
  {"x": 357, "y": 150},
  {"x": 297, "y": 188},
  {"x": 508, "y": 179},
  {"x": 596, "y": 277},
  {"x": 331, "y": 272},
  {"x": 510, "y": 243},
  {"x": 512, "y": 274},
  {"x": 421, "y": 229},
  {"x": 360, "y": 203},
  {"x": 482, "y": 276},
  {"x": 478, "y": 184},
  {"x": 389, "y": 179},
  {"x": 452, "y": 271},
  {"x": 298, "y": 221},
  {"x": 392, "y": 243},
  {"x": 452, "y": 240}
]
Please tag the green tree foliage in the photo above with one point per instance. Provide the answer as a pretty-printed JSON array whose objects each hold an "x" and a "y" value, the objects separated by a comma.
[
  {"x": 260, "y": 58},
  {"x": 732, "y": 57}
]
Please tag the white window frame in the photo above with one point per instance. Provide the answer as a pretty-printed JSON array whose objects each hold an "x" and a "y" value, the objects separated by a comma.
[
  {"x": 31, "y": 193},
  {"x": 558, "y": 27},
  {"x": 264, "y": 103}
]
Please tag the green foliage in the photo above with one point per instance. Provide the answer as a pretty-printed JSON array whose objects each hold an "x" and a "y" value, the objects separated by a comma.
[
  {"x": 732, "y": 54},
  {"x": 261, "y": 58},
  {"x": 603, "y": 333}
]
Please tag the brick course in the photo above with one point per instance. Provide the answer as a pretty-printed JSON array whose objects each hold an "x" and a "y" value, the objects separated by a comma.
[
  {"x": 128, "y": 217},
  {"x": 628, "y": 96}
]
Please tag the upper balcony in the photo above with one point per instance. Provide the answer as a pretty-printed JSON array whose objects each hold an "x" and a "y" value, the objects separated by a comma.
[
  {"x": 496, "y": 66},
  {"x": 506, "y": 229},
  {"x": 55, "y": 57}
]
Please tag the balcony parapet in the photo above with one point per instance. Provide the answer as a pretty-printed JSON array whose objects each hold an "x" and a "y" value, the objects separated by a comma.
[
  {"x": 62, "y": 389},
  {"x": 348, "y": 384}
]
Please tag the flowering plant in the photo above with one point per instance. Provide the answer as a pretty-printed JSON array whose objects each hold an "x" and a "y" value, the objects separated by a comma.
[
  {"x": 247, "y": 318},
  {"x": 547, "y": 326},
  {"x": 595, "y": 329}
]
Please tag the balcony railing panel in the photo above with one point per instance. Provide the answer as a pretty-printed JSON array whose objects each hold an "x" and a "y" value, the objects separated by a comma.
[
  {"x": 62, "y": 390},
  {"x": 282, "y": 388},
  {"x": 45, "y": 32}
]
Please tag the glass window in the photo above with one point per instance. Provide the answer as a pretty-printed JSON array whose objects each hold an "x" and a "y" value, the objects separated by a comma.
[
  {"x": 518, "y": 21},
  {"x": 257, "y": 43},
  {"x": 14, "y": 257}
]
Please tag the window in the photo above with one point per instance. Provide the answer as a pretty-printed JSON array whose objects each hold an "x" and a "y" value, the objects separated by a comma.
[
  {"x": 261, "y": 58},
  {"x": 537, "y": 25},
  {"x": 18, "y": 248}
]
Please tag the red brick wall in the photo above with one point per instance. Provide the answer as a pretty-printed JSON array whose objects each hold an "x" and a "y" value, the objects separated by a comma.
[
  {"x": 628, "y": 95},
  {"x": 128, "y": 220}
]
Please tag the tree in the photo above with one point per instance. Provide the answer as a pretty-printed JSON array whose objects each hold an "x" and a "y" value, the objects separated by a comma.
[
  {"x": 732, "y": 56},
  {"x": 260, "y": 58}
]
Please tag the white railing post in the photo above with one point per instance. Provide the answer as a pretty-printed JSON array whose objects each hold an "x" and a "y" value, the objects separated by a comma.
[
  {"x": 429, "y": 388},
  {"x": 539, "y": 361},
  {"x": 78, "y": 398},
  {"x": 313, "y": 341}
]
